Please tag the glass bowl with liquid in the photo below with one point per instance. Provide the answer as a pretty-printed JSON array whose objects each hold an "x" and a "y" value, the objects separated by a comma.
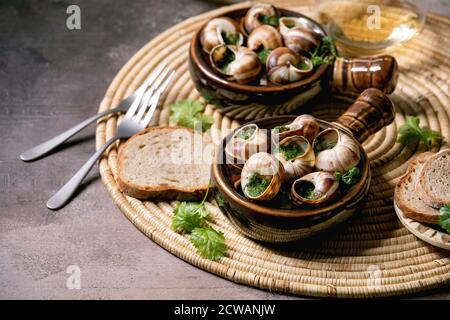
[{"x": 367, "y": 28}]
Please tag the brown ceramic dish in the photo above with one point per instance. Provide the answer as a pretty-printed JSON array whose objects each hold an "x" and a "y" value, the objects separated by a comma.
[
  {"x": 371, "y": 111},
  {"x": 344, "y": 75}
]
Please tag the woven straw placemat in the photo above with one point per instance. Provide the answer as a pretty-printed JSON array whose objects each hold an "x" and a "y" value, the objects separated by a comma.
[{"x": 373, "y": 255}]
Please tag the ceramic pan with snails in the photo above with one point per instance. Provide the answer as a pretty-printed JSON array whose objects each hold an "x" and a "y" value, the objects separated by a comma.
[
  {"x": 285, "y": 178},
  {"x": 276, "y": 58}
]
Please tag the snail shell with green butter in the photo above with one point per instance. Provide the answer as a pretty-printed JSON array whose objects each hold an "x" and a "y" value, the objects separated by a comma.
[
  {"x": 237, "y": 63},
  {"x": 286, "y": 66},
  {"x": 315, "y": 188},
  {"x": 255, "y": 16},
  {"x": 298, "y": 38},
  {"x": 264, "y": 37},
  {"x": 222, "y": 30},
  {"x": 262, "y": 176},
  {"x": 245, "y": 142},
  {"x": 297, "y": 161},
  {"x": 304, "y": 125},
  {"x": 335, "y": 151}
]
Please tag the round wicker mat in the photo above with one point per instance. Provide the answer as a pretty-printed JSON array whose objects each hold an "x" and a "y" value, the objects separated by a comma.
[{"x": 373, "y": 255}]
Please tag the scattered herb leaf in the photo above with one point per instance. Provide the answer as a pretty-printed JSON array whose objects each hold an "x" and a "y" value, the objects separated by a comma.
[
  {"x": 350, "y": 177},
  {"x": 209, "y": 243},
  {"x": 257, "y": 185},
  {"x": 191, "y": 217},
  {"x": 444, "y": 217},
  {"x": 325, "y": 53},
  {"x": 189, "y": 114},
  {"x": 337, "y": 175},
  {"x": 410, "y": 132}
]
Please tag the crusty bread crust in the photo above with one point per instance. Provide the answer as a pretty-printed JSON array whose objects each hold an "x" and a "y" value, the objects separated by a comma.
[
  {"x": 410, "y": 211},
  {"x": 154, "y": 192},
  {"x": 422, "y": 188}
]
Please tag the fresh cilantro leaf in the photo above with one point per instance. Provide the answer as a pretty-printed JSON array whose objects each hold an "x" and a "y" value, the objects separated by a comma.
[
  {"x": 350, "y": 177},
  {"x": 410, "y": 132},
  {"x": 209, "y": 243},
  {"x": 338, "y": 175},
  {"x": 325, "y": 53},
  {"x": 188, "y": 216},
  {"x": 191, "y": 217},
  {"x": 188, "y": 114},
  {"x": 444, "y": 217}
]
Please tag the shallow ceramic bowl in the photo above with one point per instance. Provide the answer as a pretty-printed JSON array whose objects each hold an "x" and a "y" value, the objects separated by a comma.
[
  {"x": 345, "y": 74},
  {"x": 372, "y": 111},
  {"x": 223, "y": 93}
]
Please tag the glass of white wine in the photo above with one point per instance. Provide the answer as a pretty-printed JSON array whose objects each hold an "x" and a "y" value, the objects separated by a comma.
[{"x": 367, "y": 28}]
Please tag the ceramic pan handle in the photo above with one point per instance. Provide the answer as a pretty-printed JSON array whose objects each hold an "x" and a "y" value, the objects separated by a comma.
[
  {"x": 371, "y": 111},
  {"x": 358, "y": 74}
]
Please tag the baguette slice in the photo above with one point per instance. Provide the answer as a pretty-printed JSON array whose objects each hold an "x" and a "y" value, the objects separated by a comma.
[
  {"x": 407, "y": 199},
  {"x": 433, "y": 184},
  {"x": 163, "y": 163}
]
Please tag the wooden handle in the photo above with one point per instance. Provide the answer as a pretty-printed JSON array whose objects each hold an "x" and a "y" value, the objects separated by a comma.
[
  {"x": 358, "y": 74},
  {"x": 372, "y": 111}
]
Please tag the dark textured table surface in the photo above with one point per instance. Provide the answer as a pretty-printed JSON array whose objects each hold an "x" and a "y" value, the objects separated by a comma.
[{"x": 50, "y": 79}]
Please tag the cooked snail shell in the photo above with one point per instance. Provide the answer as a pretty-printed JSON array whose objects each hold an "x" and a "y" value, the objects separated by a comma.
[
  {"x": 302, "y": 40},
  {"x": 288, "y": 23},
  {"x": 262, "y": 176},
  {"x": 245, "y": 142},
  {"x": 304, "y": 125},
  {"x": 297, "y": 157},
  {"x": 314, "y": 188},
  {"x": 238, "y": 63},
  {"x": 289, "y": 72},
  {"x": 266, "y": 37},
  {"x": 335, "y": 151},
  {"x": 257, "y": 14},
  {"x": 222, "y": 30},
  {"x": 285, "y": 66}
]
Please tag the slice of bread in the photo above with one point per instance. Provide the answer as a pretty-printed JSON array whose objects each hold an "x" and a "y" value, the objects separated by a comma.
[
  {"x": 167, "y": 163},
  {"x": 433, "y": 184},
  {"x": 407, "y": 198}
]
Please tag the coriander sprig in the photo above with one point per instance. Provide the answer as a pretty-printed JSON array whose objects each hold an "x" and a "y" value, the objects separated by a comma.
[
  {"x": 325, "y": 53},
  {"x": 350, "y": 177},
  {"x": 209, "y": 243},
  {"x": 410, "y": 132},
  {"x": 191, "y": 218},
  {"x": 188, "y": 113}
]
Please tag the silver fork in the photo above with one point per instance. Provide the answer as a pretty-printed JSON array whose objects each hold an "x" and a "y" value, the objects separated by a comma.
[
  {"x": 49, "y": 145},
  {"x": 136, "y": 119}
]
